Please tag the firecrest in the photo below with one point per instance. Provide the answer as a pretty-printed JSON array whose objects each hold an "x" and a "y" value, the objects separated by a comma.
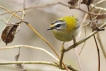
[{"x": 65, "y": 28}]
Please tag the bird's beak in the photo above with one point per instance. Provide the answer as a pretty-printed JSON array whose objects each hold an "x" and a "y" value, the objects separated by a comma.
[{"x": 51, "y": 28}]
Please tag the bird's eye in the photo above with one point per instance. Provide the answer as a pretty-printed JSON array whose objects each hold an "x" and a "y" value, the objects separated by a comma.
[{"x": 58, "y": 25}]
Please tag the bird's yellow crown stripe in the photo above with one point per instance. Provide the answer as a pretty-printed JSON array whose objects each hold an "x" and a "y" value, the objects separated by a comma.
[{"x": 71, "y": 22}]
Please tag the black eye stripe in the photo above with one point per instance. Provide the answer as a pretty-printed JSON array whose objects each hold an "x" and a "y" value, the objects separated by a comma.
[{"x": 58, "y": 25}]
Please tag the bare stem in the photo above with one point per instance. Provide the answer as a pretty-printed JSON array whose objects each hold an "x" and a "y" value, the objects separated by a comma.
[
  {"x": 27, "y": 62},
  {"x": 84, "y": 39},
  {"x": 101, "y": 45},
  {"x": 62, "y": 55},
  {"x": 27, "y": 46}
]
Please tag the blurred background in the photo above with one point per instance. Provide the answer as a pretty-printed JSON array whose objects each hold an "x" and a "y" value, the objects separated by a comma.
[{"x": 40, "y": 19}]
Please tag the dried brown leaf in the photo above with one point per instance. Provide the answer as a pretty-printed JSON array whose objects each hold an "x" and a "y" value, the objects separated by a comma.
[
  {"x": 87, "y": 2},
  {"x": 72, "y": 2},
  {"x": 9, "y": 32}
]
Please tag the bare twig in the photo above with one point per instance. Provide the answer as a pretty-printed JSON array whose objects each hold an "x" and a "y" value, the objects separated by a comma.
[
  {"x": 100, "y": 8},
  {"x": 36, "y": 62},
  {"x": 98, "y": 53},
  {"x": 92, "y": 23},
  {"x": 78, "y": 60},
  {"x": 28, "y": 62},
  {"x": 27, "y": 46},
  {"x": 3, "y": 19},
  {"x": 84, "y": 42},
  {"x": 101, "y": 45},
  {"x": 19, "y": 67},
  {"x": 45, "y": 5},
  {"x": 99, "y": 40},
  {"x": 97, "y": 3},
  {"x": 62, "y": 55},
  {"x": 82, "y": 25},
  {"x": 84, "y": 39}
]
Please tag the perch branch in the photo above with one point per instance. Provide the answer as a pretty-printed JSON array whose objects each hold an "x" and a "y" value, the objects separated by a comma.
[{"x": 84, "y": 39}]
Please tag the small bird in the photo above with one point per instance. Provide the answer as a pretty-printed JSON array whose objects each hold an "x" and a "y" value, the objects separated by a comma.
[{"x": 66, "y": 28}]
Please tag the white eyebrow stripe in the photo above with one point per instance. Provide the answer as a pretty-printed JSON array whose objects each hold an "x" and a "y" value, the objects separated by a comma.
[
  {"x": 56, "y": 23},
  {"x": 59, "y": 22}
]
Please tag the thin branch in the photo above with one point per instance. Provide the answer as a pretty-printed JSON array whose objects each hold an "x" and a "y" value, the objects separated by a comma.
[
  {"x": 23, "y": 9},
  {"x": 85, "y": 17},
  {"x": 28, "y": 62},
  {"x": 101, "y": 45},
  {"x": 78, "y": 60},
  {"x": 98, "y": 52},
  {"x": 100, "y": 42},
  {"x": 46, "y": 5},
  {"x": 62, "y": 55},
  {"x": 31, "y": 7},
  {"x": 19, "y": 67},
  {"x": 94, "y": 5},
  {"x": 84, "y": 39},
  {"x": 84, "y": 42},
  {"x": 27, "y": 46},
  {"x": 36, "y": 62},
  {"x": 3, "y": 19},
  {"x": 93, "y": 25},
  {"x": 10, "y": 18}
]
